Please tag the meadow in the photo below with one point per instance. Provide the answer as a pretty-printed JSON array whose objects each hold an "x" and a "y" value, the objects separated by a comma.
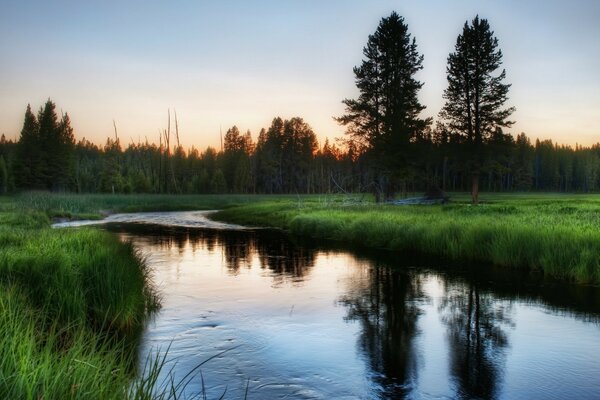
[
  {"x": 557, "y": 235},
  {"x": 72, "y": 302}
]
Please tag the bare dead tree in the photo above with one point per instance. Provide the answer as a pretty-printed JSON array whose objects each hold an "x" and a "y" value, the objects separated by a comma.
[{"x": 116, "y": 135}]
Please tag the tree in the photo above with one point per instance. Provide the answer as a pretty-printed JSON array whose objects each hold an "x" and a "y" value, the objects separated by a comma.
[
  {"x": 29, "y": 153},
  {"x": 48, "y": 134},
  {"x": 3, "y": 176},
  {"x": 523, "y": 170},
  {"x": 384, "y": 119},
  {"x": 62, "y": 158},
  {"x": 236, "y": 160},
  {"x": 46, "y": 151},
  {"x": 475, "y": 97}
]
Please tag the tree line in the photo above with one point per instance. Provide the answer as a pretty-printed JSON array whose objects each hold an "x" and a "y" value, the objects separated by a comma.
[
  {"x": 389, "y": 147},
  {"x": 285, "y": 158}
]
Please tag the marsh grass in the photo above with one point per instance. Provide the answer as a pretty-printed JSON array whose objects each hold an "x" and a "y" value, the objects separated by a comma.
[
  {"x": 71, "y": 305},
  {"x": 73, "y": 301},
  {"x": 558, "y": 235}
]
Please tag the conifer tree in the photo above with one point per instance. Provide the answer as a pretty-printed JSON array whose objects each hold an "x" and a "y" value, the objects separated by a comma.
[
  {"x": 29, "y": 153},
  {"x": 3, "y": 176},
  {"x": 385, "y": 117},
  {"x": 475, "y": 96}
]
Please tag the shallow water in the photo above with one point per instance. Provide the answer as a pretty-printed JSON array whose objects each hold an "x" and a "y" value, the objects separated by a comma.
[
  {"x": 297, "y": 320},
  {"x": 181, "y": 219}
]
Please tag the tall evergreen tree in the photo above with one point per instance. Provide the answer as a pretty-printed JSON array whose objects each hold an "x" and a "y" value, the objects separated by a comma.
[
  {"x": 475, "y": 97},
  {"x": 384, "y": 119},
  {"x": 29, "y": 153},
  {"x": 48, "y": 133},
  {"x": 3, "y": 176},
  {"x": 62, "y": 160}
]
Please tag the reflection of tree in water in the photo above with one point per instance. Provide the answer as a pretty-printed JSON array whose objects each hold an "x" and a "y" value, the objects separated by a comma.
[
  {"x": 237, "y": 250},
  {"x": 283, "y": 257},
  {"x": 386, "y": 304},
  {"x": 275, "y": 252},
  {"x": 477, "y": 341}
]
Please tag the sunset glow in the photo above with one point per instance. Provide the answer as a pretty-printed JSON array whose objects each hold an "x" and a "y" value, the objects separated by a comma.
[{"x": 243, "y": 63}]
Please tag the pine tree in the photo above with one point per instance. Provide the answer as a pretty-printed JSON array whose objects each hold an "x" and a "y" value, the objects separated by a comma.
[
  {"x": 29, "y": 153},
  {"x": 3, "y": 176},
  {"x": 384, "y": 119},
  {"x": 48, "y": 134},
  {"x": 62, "y": 160},
  {"x": 475, "y": 97}
]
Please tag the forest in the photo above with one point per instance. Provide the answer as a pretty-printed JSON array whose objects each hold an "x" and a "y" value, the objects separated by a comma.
[{"x": 285, "y": 158}]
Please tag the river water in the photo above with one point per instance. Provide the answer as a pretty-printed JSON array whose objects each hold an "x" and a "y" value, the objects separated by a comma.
[{"x": 290, "y": 320}]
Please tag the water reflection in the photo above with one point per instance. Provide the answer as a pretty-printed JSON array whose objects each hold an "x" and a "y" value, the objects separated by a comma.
[
  {"x": 387, "y": 305},
  {"x": 275, "y": 251},
  {"x": 318, "y": 322},
  {"x": 477, "y": 339}
]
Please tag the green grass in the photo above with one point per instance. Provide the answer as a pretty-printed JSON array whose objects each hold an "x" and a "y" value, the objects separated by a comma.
[
  {"x": 72, "y": 303},
  {"x": 558, "y": 235},
  {"x": 95, "y": 206}
]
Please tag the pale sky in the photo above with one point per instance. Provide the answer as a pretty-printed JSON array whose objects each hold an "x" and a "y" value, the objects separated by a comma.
[{"x": 222, "y": 63}]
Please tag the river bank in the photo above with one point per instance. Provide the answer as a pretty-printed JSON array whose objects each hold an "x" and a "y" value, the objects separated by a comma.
[
  {"x": 557, "y": 235},
  {"x": 554, "y": 234}
]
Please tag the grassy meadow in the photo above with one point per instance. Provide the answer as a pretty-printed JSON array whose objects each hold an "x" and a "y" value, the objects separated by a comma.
[{"x": 73, "y": 301}]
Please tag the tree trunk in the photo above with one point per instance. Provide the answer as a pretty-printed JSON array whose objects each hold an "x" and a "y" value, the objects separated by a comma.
[{"x": 475, "y": 188}]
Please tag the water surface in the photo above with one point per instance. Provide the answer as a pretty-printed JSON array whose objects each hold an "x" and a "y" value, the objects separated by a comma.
[{"x": 312, "y": 322}]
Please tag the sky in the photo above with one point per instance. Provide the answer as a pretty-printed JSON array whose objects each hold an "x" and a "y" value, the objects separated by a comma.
[{"x": 221, "y": 63}]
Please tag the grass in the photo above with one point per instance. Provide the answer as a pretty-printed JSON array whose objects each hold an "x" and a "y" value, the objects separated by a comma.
[
  {"x": 72, "y": 303},
  {"x": 558, "y": 235},
  {"x": 95, "y": 206}
]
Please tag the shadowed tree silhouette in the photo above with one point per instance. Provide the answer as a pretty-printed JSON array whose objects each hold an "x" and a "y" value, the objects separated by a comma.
[
  {"x": 386, "y": 306},
  {"x": 475, "y": 97},
  {"x": 477, "y": 341},
  {"x": 384, "y": 120}
]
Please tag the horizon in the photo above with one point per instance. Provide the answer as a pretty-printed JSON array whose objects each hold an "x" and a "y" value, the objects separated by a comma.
[{"x": 103, "y": 66}]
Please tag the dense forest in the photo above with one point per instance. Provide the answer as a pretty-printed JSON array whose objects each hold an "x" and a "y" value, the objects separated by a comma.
[
  {"x": 284, "y": 158},
  {"x": 388, "y": 148}
]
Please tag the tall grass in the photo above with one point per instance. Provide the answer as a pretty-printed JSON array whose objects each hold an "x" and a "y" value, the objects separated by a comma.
[
  {"x": 554, "y": 234},
  {"x": 72, "y": 303},
  {"x": 57, "y": 361}
]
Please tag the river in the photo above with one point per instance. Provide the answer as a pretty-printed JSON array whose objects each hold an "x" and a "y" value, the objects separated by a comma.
[{"x": 299, "y": 320}]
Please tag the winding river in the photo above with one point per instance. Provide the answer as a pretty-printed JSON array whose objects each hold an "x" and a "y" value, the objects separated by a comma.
[{"x": 283, "y": 319}]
